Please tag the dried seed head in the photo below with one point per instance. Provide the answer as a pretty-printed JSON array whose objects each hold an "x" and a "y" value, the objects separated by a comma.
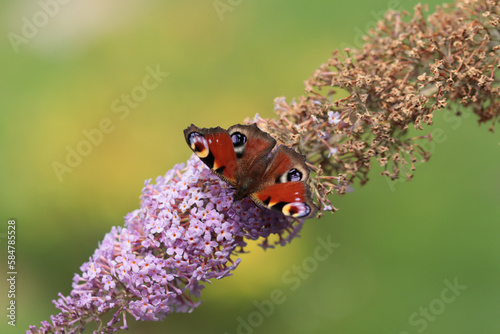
[{"x": 409, "y": 68}]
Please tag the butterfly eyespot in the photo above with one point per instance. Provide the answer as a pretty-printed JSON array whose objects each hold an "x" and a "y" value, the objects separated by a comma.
[
  {"x": 199, "y": 145},
  {"x": 238, "y": 139},
  {"x": 296, "y": 209},
  {"x": 294, "y": 175},
  {"x": 239, "y": 143}
]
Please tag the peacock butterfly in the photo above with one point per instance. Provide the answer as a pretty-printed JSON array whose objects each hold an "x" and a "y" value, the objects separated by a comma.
[{"x": 243, "y": 156}]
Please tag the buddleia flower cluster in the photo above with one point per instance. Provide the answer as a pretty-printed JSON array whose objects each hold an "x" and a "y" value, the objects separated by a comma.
[{"x": 187, "y": 232}]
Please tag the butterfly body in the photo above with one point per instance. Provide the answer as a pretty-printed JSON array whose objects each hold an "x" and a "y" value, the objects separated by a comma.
[{"x": 243, "y": 156}]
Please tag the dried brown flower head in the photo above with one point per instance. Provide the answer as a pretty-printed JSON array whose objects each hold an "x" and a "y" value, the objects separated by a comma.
[{"x": 409, "y": 68}]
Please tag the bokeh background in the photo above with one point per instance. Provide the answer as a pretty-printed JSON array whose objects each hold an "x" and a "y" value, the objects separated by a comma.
[{"x": 399, "y": 242}]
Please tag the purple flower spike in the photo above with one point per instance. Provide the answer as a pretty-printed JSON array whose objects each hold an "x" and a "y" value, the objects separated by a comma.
[{"x": 187, "y": 231}]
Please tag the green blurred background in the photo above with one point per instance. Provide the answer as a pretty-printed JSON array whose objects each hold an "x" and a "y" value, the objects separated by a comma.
[{"x": 399, "y": 241}]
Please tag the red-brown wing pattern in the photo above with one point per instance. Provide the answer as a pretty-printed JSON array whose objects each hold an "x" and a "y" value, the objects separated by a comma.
[
  {"x": 289, "y": 198},
  {"x": 283, "y": 160},
  {"x": 215, "y": 148},
  {"x": 284, "y": 184},
  {"x": 281, "y": 193},
  {"x": 243, "y": 157},
  {"x": 257, "y": 147},
  {"x": 221, "y": 146}
]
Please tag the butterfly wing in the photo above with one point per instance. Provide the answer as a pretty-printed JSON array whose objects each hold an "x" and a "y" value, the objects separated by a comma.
[
  {"x": 215, "y": 148},
  {"x": 243, "y": 157},
  {"x": 251, "y": 144},
  {"x": 284, "y": 185}
]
